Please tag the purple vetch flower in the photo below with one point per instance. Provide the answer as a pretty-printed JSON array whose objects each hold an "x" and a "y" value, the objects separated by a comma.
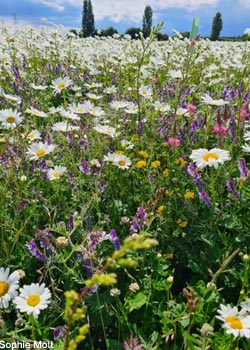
[
  {"x": 205, "y": 198},
  {"x": 3, "y": 160},
  {"x": 140, "y": 127},
  {"x": 43, "y": 168},
  {"x": 232, "y": 189},
  {"x": 242, "y": 167},
  {"x": 88, "y": 266},
  {"x": 71, "y": 220},
  {"x": 138, "y": 223},
  {"x": 95, "y": 237},
  {"x": 114, "y": 239},
  {"x": 58, "y": 68},
  {"x": 34, "y": 251},
  {"x": 44, "y": 237},
  {"x": 151, "y": 177},
  {"x": 69, "y": 138},
  {"x": 196, "y": 177},
  {"x": 59, "y": 332},
  {"x": 84, "y": 168},
  {"x": 231, "y": 133},
  {"x": 21, "y": 205},
  {"x": 102, "y": 185}
]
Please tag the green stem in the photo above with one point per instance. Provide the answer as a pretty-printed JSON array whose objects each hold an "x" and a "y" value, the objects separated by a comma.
[
  {"x": 32, "y": 321},
  {"x": 212, "y": 180}
]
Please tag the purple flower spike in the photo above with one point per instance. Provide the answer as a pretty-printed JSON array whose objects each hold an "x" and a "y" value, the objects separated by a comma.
[
  {"x": 242, "y": 167},
  {"x": 34, "y": 251},
  {"x": 84, "y": 167},
  {"x": 205, "y": 198},
  {"x": 232, "y": 189},
  {"x": 115, "y": 240}
]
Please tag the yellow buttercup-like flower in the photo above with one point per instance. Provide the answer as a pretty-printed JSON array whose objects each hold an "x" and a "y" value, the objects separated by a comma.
[
  {"x": 140, "y": 164},
  {"x": 143, "y": 154},
  {"x": 189, "y": 195},
  {"x": 155, "y": 164}
]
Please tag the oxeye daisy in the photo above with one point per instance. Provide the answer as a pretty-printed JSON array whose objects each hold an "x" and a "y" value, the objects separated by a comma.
[
  {"x": 56, "y": 173},
  {"x": 60, "y": 84},
  {"x": 106, "y": 130},
  {"x": 234, "y": 321},
  {"x": 33, "y": 135},
  {"x": 33, "y": 298},
  {"x": 122, "y": 162},
  {"x": 202, "y": 157},
  {"x": 36, "y": 112},
  {"x": 145, "y": 91},
  {"x": 208, "y": 100},
  {"x": 9, "y": 118},
  {"x": 38, "y": 150},
  {"x": 8, "y": 286},
  {"x": 13, "y": 99}
]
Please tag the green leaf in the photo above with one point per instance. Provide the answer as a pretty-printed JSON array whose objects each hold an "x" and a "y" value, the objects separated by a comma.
[
  {"x": 195, "y": 27},
  {"x": 137, "y": 302}
]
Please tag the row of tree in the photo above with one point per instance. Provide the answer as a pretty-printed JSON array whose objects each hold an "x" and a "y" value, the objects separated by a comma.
[{"x": 88, "y": 25}]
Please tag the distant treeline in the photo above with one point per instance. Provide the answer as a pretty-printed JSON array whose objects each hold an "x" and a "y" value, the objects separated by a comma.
[{"x": 134, "y": 33}]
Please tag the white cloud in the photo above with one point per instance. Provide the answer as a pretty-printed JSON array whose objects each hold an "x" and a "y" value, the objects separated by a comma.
[
  {"x": 118, "y": 10},
  {"x": 245, "y": 3},
  {"x": 54, "y": 4}
]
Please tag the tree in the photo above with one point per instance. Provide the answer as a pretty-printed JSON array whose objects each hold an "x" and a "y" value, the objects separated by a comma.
[
  {"x": 216, "y": 26},
  {"x": 88, "y": 21},
  {"x": 133, "y": 32},
  {"x": 147, "y": 21},
  {"x": 108, "y": 31}
]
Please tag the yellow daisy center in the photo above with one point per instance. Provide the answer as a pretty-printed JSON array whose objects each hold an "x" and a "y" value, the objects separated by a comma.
[
  {"x": 40, "y": 152},
  {"x": 79, "y": 110},
  {"x": 13, "y": 100},
  {"x": 210, "y": 155},
  {"x": 61, "y": 85},
  {"x": 234, "y": 322},
  {"x": 91, "y": 111},
  {"x": 33, "y": 300},
  {"x": 4, "y": 287},
  {"x": 144, "y": 92},
  {"x": 37, "y": 113},
  {"x": 30, "y": 136},
  {"x": 10, "y": 119},
  {"x": 122, "y": 163},
  {"x": 56, "y": 174}
]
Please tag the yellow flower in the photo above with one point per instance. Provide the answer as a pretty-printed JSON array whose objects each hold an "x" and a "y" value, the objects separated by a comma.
[
  {"x": 181, "y": 161},
  {"x": 119, "y": 152},
  {"x": 169, "y": 193},
  {"x": 155, "y": 164},
  {"x": 189, "y": 195},
  {"x": 143, "y": 154},
  {"x": 140, "y": 164},
  {"x": 166, "y": 173},
  {"x": 182, "y": 223},
  {"x": 160, "y": 209}
]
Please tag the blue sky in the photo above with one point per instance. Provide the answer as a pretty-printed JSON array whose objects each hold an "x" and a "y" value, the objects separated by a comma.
[{"x": 122, "y": 14}]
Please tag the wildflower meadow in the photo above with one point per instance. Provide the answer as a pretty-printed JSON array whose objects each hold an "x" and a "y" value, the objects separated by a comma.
[{"x": 125, "y": 192}]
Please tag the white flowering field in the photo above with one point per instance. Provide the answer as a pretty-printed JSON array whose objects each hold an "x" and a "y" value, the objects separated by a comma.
[{"x": 125, "y": 192}]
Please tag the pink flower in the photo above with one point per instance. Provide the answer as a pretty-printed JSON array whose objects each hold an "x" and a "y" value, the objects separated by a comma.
[
  {"x": 191, "y": 107},
  {"x": 220, "y": 129},
  {"x": 243, "y": 113},
  {"x": 173, "y": 142}
]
